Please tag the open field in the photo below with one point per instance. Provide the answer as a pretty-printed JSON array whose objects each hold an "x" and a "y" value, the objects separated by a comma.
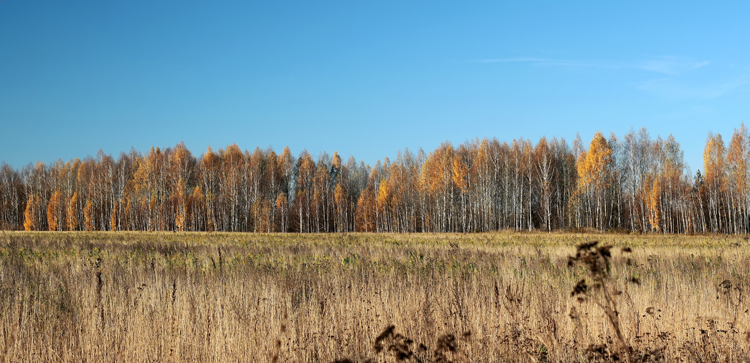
[{"x": 144, "y": 297}]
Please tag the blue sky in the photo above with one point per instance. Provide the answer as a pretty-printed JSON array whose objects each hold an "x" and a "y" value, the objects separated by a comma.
[{"x": 363, "y": 78}]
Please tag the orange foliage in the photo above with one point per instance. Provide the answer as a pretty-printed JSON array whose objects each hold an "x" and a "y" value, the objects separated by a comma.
[
  {"x": 29, "y": 216},
  {"x": 73, "y": 212},
  {"x": 88, "y": 216},
  {"x": 54, "y": 218},
  {"x": 592, "y": 165}
]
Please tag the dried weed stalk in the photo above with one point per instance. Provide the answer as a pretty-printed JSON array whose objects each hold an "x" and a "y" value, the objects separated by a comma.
[{"x": 602, "y": 289}]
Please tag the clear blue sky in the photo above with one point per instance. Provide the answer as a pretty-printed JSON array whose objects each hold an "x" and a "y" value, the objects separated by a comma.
[{"x": 364, "y": 78}]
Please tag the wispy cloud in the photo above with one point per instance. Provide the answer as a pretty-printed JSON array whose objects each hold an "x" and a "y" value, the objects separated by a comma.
[
  {"x": 675, "y": 90},
  {"x": 677, "y": 79},
  {"x": 665, "y": 65},
  {"x": 671, "y": 65},
  {"x": 584, "y": 64},
  {"x": 514, "y": 60}
]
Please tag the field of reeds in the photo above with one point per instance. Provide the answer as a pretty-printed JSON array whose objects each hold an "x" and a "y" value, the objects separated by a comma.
[{"x": 501, "y": 297}]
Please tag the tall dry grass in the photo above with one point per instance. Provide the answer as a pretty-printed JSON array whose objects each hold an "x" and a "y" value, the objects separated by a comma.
[{"x": 144, "y": 297}]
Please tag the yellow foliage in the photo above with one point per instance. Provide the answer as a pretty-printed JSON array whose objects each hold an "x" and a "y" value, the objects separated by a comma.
[
  {"x": 179, "y": 222},
  {"x": 339, "y": 195},
  {"x": 366, "y": 206},
  {"x": 437, "y": 169},
  {"x": 592, "y": 165},
  {"x": 29, "y": 216},
  {"x": 88, "y": 216},
  {"x": 460, "y": 174},
  {"x": 73, "y": 212},
  {"x": 54, "y": 221},
  {"x": 281, "y": 202},
  {"x": 383, "y": 194},
  {"x": 181, "y": 214},
  {"x": 713, "y": 161},
  {"x": 336, "y": 162}
]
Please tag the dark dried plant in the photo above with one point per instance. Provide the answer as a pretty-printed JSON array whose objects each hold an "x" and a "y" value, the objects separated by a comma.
[{"x": 602, "y": 290}]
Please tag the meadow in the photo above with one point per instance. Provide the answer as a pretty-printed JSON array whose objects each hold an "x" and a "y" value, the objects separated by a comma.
[{"x": 495, "y": 297}]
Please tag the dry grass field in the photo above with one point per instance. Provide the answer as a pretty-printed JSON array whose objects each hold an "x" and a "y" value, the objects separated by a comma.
[{"x": 503, "y": 297}]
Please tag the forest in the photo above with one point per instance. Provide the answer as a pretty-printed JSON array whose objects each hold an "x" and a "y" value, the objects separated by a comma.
[{"x": 635, "y": 184}]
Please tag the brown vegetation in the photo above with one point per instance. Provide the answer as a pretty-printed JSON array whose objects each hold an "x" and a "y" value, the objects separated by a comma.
[{"x": 135, "y": 297}]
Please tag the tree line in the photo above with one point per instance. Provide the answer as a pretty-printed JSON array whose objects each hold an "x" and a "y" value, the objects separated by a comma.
[{"x": 631, "y": 184}]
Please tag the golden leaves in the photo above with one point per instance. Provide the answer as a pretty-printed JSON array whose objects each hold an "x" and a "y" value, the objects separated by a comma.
[
  {"x": 29, "y": 216},
  {"x": 592, "y": 165},
  {"x": 54, "y": 215}
]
